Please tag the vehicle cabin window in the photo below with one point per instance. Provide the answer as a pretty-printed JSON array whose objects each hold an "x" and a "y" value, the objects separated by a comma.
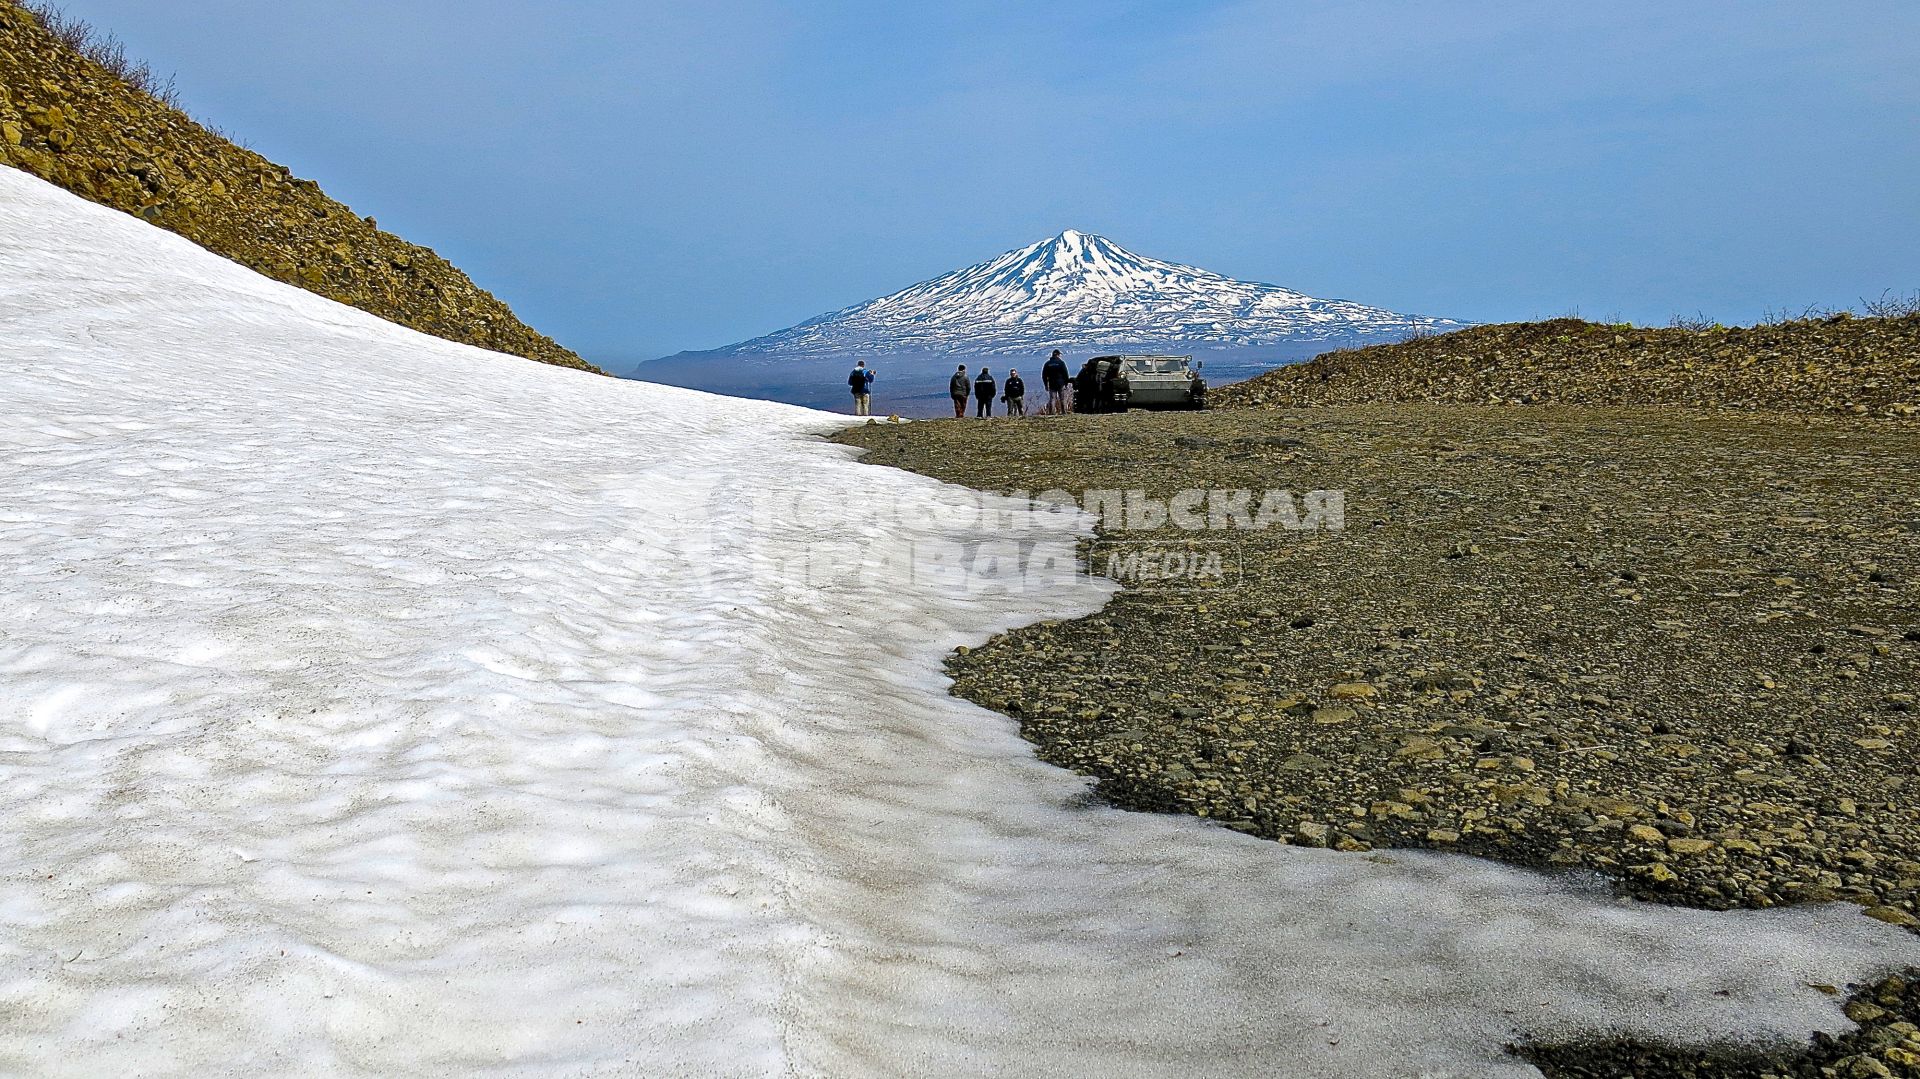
[{"x": 1156, "y": 365}]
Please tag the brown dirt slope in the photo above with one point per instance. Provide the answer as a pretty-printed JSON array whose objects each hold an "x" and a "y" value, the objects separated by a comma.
[
  {"x": 1839, "y": 363},
  {"x": 72, "y": 122}
]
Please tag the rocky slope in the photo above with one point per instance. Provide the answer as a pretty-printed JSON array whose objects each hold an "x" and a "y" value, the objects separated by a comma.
[
  {"x": 1834, "y": 364},
  {"x": 72, "y": 122}
]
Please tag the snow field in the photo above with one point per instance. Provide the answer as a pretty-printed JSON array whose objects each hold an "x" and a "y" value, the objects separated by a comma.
[{"x": 371, "y": 704}]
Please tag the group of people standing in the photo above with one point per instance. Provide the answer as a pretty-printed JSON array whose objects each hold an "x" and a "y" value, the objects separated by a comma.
[{"x": 981, "y": 388}]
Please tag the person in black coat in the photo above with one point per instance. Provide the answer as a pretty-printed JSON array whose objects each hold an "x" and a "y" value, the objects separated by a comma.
[
  {"x": 983, "y": 387},
  {"x": 1085, "y": 386},
  {"x": 1055, "y": 376},
  {"x": 1015, "y": 394}
]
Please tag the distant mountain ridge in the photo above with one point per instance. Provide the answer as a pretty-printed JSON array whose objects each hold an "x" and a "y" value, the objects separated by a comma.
[{"x": 1079, "y": 292}]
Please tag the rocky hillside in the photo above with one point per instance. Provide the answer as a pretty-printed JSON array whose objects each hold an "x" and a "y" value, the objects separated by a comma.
[
  {"x": 68, "y": 120},
  {"x": 1835, "y": 364}
]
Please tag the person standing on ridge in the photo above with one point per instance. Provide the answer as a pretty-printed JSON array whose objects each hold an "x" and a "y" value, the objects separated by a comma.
[
  {"x": 1015, "y": 393},
  {"x": 983, "y": 395},
  {"x": 860, "y": 379},
  {"x": 957, "y": 389},
  {"x": 1054, "y": 377}
]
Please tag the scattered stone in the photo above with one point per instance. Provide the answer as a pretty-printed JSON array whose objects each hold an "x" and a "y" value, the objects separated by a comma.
[
  {"x": 1657, "y": 872},
  {"x": 1421, "y": 748},
  {"x": 1894, "y": 916}
]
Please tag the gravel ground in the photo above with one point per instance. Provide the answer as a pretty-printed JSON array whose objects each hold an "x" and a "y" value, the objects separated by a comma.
[{"x": 1676, "y": 648}]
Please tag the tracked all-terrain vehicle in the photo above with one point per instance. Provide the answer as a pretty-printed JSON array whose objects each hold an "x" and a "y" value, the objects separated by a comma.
[{"x": 1118, "y": 383}]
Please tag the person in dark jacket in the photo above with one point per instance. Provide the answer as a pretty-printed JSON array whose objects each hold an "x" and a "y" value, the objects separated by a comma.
[
  {"x": 1014, "y": 393},
  {"x": 1054, "y": 377},
  {"x": 861, "y": 381},
  {"x": 983, "y": 387},
  {"x": 957, "y": 389},
  {"x": 1085, "y": 384}
]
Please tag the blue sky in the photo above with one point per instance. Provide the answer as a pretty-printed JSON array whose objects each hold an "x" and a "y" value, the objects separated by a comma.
[{"x": 636, "y": 178}]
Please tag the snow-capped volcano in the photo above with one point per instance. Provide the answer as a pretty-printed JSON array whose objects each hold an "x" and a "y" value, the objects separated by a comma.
[{"x": 1078, "y": 291}]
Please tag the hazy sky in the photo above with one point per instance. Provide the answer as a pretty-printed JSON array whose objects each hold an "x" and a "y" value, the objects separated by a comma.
[{"x": 637, "y": 178}]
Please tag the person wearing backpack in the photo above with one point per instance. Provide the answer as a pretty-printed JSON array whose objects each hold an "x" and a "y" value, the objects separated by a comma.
[
  {"x": 860, "y": 380},
  {"x": 957, "y": 389},
  {"x": 1015, "y": 393},
  {"x": 1054, "y": 376},
  {"x": 983, "y": 388}
]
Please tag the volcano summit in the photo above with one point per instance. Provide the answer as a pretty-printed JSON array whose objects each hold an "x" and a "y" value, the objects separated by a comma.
[
  {"x": 1079, "y": 291},
  {"x": 1075, "y": 291}
]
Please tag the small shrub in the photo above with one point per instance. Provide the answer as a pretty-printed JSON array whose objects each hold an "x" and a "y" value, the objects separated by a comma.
[
  {"x": 222, "y": 133},
  {"x": 107, "y": 50},
  {"x": 1813, "y": 312},
  {"x": 1696, "y": 322},
  {"x": 1891, "y": 304}
]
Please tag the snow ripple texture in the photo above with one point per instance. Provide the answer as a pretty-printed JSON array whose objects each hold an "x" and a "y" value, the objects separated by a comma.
[{"x": 373, "y": 705}]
